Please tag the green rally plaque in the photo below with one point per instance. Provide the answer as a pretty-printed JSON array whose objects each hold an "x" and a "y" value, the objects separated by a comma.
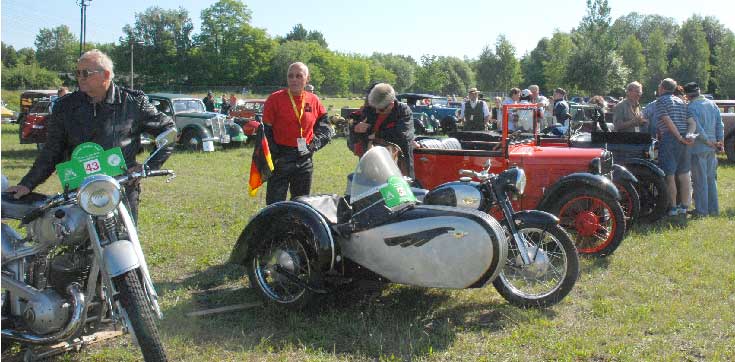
[
  {"x": 90, "y": 159},
  {"x": 397, "y": 192}
]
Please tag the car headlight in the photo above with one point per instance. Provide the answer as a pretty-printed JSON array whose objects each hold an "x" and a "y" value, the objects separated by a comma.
[
  {"x": 595, "y": 167},
  {"x": 99, "y": 195}
]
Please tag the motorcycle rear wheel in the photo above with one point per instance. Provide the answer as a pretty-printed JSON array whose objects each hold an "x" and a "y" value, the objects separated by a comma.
[
  {"x": 285, "y": 251},
  {"x": 550, "y": 277},
  {"x": 133, "y": 299}
]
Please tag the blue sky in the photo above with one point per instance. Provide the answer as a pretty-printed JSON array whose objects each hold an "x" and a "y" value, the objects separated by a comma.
[{"x": 405, "y": 27}]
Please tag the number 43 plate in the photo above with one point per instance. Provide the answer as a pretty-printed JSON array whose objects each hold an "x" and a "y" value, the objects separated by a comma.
[{"x": 90, "y": 159}]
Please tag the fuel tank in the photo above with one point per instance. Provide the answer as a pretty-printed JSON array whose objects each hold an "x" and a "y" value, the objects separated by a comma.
[{"x": 432, "y": 246}]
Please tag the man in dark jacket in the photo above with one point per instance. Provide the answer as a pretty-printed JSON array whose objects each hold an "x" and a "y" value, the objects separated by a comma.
[
  {"x": 388, "y": 119},
  {"x": 99, "y": 112},
  {"x": 209, "y": 102}
]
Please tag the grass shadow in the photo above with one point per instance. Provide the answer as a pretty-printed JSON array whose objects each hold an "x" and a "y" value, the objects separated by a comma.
[
  {"x": 370, "y": 320},
  {"x": 595, "y": 263},
  {"x": 664, "y": 224}
]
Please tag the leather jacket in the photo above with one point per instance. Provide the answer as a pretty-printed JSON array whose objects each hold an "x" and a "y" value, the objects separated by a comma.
[{"x": 118, "y": 120}]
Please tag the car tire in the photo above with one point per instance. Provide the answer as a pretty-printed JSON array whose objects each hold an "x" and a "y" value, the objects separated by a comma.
[
  {"x": 652, "y": 192},
  {"x": 449, "y": 124},
  {"x": 191, "y": 140},
  {"x": 730, "y": 148},
  {"x": 585, "y": 213}
]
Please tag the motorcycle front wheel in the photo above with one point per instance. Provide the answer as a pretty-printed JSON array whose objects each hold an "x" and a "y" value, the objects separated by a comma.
[
  {"x": 282, "y": 271},
  {"x": 550, "y": 276},
  {"x": 132, "y": 297}
]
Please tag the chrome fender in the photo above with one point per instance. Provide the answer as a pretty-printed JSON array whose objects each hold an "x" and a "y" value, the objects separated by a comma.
[{"x": 120, "y": 257}]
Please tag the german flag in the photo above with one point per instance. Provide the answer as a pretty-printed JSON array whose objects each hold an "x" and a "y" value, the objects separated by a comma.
[{"x": 261, "y": 167}]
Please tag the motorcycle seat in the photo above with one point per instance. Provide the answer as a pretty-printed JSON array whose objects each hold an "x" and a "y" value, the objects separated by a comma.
[
  {"x": 326, "y": 205},
  {"x": 16, "y": 209}
]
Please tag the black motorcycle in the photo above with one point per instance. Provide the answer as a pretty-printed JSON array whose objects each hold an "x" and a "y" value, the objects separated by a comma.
[{"x": 542, "y": 264}]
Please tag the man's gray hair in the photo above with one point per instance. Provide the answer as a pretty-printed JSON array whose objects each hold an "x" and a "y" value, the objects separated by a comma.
[
  {"x": 102, "y": 60},
  {"x": 300, "y": 65},
  {"x": 668, "y": 85},
  {"x": 634, "y": 85},
  {"x": 533, "y": 88},
  {"x": 381, "y": 95}
]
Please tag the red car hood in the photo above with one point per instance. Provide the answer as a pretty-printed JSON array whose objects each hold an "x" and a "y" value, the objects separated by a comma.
[{"x": 541, "y": 156}]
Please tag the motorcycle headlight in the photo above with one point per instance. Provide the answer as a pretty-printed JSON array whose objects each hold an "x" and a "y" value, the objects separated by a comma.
[
  {"x": 99, "y": 195},
  {"x": 520, "y": 181}
]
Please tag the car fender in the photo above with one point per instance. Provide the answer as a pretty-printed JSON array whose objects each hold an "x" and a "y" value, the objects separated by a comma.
[
  {"x": 620, "y": 173},
  {"x": 206, "y": 134},
  {"x": 575, "y": 180},
  {"x": 639, "y": 162},
  {"x": 322, "y": 245},
  {"x": 536, "y": 217}
]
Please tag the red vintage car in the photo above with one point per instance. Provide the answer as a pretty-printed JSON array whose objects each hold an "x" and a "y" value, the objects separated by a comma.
[
  {"x": 571, "y": 183},
  {"x": 35, "y": 107},
  {"x": 248, "y": 115}
]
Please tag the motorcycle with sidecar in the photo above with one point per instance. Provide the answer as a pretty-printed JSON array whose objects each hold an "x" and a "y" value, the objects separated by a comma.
[{"x": 296, "y": 250}]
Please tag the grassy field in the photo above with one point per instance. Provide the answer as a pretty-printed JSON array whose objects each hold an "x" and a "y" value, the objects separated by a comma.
[{"x": 668, "y": 293}]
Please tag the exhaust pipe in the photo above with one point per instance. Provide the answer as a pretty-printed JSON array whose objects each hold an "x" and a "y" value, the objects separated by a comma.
[{"x": 74, "y": 322}]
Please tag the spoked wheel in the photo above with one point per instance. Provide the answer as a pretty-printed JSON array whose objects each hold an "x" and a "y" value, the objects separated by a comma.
[
  {"x": 282, "y": 271},
  {"x": 550, "y": 276},
  {"x": 652, "y": 192},
  {"x": 594, "y": 221},
  {"x": 629, "y": 201}
]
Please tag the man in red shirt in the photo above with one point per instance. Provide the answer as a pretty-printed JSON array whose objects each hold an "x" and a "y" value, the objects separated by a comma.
[{"x": 297, "y": 125}]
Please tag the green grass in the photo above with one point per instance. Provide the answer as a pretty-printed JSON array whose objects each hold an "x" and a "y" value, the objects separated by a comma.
[{"x": 666, "y": 294}]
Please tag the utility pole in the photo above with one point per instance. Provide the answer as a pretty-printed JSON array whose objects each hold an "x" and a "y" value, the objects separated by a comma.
[
  {"x": 82, "y": 24},
  {"x": 132, "y": 47}
]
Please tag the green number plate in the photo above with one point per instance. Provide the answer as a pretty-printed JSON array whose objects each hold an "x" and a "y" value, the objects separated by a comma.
[
  {"x": 90, "y": 159},
  {"x": 397, "y": 192}
]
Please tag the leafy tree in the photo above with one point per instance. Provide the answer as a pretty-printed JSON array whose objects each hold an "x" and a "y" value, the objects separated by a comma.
[
  {"x": 692, "y": 60},
  {"x": 460, "y": 76},
  {"x": 26, "y": 56},
  {"x": 25, "y": 76},
  {"x": 632, "y": 52},
  {"x": 725, "y": 75},
  {"x": 656, "y": 63},
  {"x": 509, "y": 68},
  {"x": 301, "y": 34},
  {"x": 560, "y": 49},
  {"x": 532, "y": 65},
  {"x": 231, "y": 50},
  {"x": 403, "y": 69},
  {"x": 594, "y": 67},
  {"x": 56, "y": 48},
  {"x": 431, "y": 77},
  {"x": 161, "y": 44},
  {"x": 9, "y": 55},
  {"x": 298, "y": 33}
]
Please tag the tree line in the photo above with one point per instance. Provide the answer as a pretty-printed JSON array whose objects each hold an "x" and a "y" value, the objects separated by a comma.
[{"x": 599, "y": 56}]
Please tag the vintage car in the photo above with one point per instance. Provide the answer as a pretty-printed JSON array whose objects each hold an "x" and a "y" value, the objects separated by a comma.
[
  {"x": 727, "y": 109},
  {"x": 248, "y": 114},
  {"x": 435, "y": 107},
  {"x": 572, "y": 183},
  {"x": 8, "y": 115},
  {"x": 33, "y": 130},
  {"x": 635, "y": 151},
  {"x": 195, "y": 125},
  {"x": 33, "y": 127}
]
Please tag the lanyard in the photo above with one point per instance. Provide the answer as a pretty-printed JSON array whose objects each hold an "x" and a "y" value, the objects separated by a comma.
[{"x": 298, "y": 115}]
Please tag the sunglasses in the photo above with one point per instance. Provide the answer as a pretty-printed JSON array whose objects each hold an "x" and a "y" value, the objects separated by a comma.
[{"x": 86, "y": 73}]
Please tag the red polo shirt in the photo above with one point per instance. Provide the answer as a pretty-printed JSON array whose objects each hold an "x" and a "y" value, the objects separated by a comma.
[{"x": 279, "y": 113}]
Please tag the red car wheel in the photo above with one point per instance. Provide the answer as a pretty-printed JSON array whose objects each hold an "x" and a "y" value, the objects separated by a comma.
[{"x": 594, "y": 221}]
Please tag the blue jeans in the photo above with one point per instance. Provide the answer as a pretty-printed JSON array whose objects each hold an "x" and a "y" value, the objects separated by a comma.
[{"x": 704, "y": 180}]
